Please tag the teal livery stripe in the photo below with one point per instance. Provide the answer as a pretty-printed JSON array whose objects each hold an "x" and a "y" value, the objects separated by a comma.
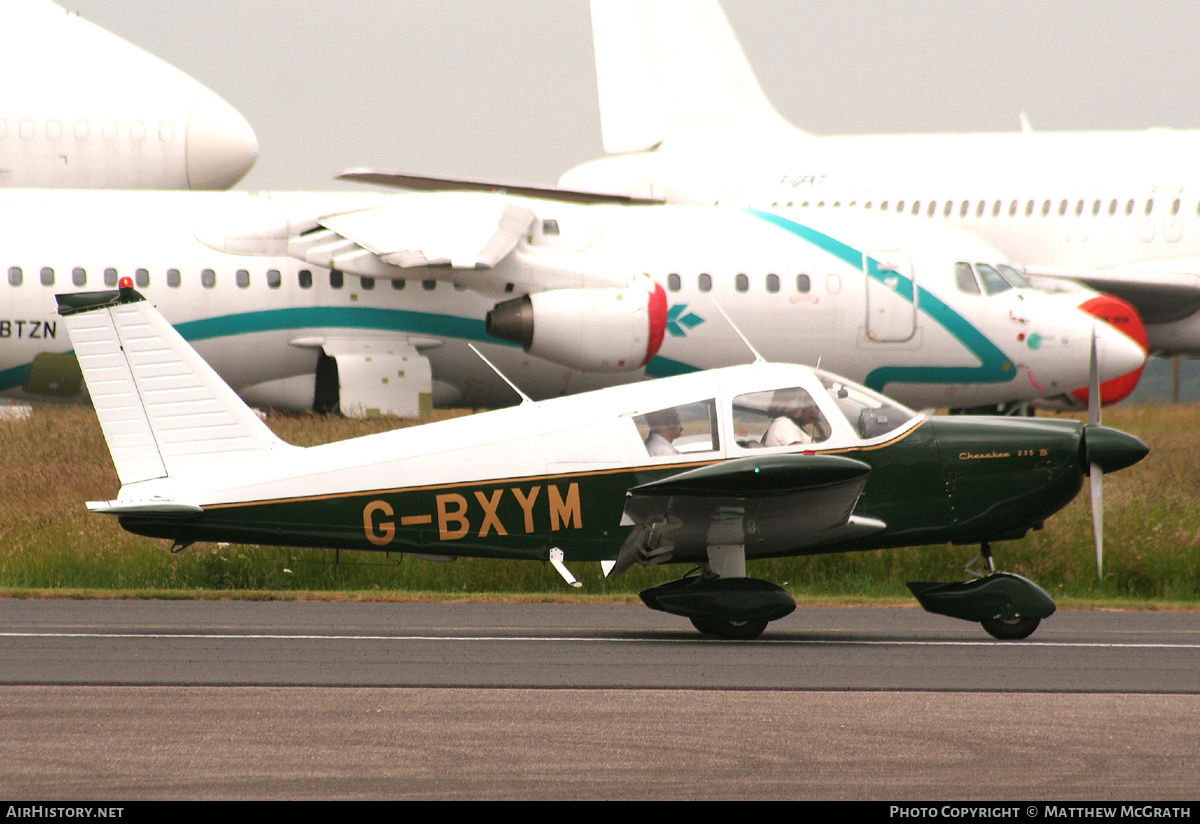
[
  {"x": 995, "y": 367},
  {"x": 391, "y": 320},
  {"x": 328, "y": 317},
  {"x": 14, "y": 377},
  {"x": 337, "y": 317},
  {"x": 661, "y": 367},
  {"x": 341, "y": 317}
]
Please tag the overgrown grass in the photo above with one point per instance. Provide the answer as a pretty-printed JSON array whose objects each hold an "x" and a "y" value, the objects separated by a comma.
[{"x": 51, "y": 545}]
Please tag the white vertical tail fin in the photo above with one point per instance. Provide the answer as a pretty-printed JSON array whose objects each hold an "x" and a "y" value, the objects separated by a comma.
[
  {"x": 667, "y": 66},
  {"x": 164, "y": 411}
]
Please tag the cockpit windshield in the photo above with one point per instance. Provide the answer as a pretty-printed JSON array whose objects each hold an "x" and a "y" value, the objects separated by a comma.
[
  {"x": 1013, "y": 276},
  {"x": 869, "y": 413},
  {"x": 993, "y": 281}
]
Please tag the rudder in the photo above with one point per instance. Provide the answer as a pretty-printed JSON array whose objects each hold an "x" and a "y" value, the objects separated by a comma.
[{"x": 163, "y": 409}]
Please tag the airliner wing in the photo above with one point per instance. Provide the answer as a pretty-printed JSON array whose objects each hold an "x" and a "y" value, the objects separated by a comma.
[
  {"x": 456, "y": 236},
  {"x": 772, "y": 505},
  {"x": 458, "y": 230},
  {"x": 1163, "y": 293},
  {"x": 420, "y": 183}
]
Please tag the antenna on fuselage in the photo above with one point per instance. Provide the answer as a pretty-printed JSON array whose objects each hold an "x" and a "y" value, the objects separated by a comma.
[
  {"x": 758, "y": 358},
  {"x": 524, "y": 398}
]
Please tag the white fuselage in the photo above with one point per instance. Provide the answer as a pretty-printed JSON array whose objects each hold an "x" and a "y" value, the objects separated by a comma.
[
  {"x": 83, "y": 109},
  {"x": 1070, "y": 201},
  {"x": 796, "y": 287}
]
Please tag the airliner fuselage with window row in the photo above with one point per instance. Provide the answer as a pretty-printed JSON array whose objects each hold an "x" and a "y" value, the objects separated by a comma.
[
  {"x": 1038, "y": 198},
  {"x": 898, "y": 303}
]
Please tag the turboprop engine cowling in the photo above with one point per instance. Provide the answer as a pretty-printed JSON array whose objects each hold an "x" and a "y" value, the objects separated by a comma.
[{"x": 593, "y": 330}]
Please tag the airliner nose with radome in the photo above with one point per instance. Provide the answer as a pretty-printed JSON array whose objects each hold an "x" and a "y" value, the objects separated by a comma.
[
  {"x": 104, "y": 114},
  {"x": 1054, "y": 352},
  {"x": 221, "y": 145}
]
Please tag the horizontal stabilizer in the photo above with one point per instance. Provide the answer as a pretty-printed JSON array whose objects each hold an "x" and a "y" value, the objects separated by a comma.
[
  {"x": 157, "y": 508},
  {"x": 419, "y": 183}
]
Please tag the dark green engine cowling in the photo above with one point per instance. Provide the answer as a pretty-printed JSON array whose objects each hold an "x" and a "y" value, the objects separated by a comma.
[{"x": 969, "y": 480}]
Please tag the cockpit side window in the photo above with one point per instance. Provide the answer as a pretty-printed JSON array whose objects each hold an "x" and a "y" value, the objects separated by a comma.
[
  {"x": 964, "y": 276},
  {"x": 778, "y": 417},
  {"x": 993, "y": 281},
  {"x": 679, "y": 430}
]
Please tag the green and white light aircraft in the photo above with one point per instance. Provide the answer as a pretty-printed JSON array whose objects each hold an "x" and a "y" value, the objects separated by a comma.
[{"x": 708, "y": 469}]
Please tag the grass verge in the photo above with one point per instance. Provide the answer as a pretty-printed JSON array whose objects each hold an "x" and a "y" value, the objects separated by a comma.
[{"x": 50, "y": 546}]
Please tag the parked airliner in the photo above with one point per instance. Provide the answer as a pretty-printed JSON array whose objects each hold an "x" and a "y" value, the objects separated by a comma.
[
  {"x": 83, "y": 108},
  {"x": 685, "y": 121},
  {"x": 364, "y": 301}
]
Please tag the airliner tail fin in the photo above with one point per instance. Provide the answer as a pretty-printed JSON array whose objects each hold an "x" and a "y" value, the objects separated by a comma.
[{"x": 667, "y": 66}]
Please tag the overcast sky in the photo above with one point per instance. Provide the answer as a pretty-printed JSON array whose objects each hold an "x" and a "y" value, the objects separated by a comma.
[{"x": 505, "y": 88}]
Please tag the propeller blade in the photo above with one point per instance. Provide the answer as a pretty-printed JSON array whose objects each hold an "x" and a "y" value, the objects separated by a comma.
[
  {"x": 1097, "y": 484},
  {"x": 1096, "y": 474},
  {"x": 1093, "y": 384}
]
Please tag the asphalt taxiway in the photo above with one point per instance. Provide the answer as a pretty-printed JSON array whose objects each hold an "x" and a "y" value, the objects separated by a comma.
[{"x": 207, "y": 699}]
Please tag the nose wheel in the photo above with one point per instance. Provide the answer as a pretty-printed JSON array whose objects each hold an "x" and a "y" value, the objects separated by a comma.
[{"x": 1007, "y": 606}]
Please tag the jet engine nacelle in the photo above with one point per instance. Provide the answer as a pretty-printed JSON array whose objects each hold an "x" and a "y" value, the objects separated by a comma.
[{"x": 593, "y": 330}]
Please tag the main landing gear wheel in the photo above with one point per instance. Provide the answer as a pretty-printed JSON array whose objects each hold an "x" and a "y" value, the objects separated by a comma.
[
  {"x": 1010, "y": 629},
  {"x": 733, "y": 630}
]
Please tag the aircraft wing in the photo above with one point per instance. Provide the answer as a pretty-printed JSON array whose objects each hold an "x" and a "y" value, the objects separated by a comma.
[
  {"x": 421, "y": 183},
  {"x": 452, "y": 229},
  {"x": 773, "y": 505},
  {"x": 1161, "y": 293}
]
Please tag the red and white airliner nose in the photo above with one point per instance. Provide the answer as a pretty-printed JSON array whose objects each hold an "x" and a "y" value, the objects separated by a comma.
[{"x": 1125, "y": 319}]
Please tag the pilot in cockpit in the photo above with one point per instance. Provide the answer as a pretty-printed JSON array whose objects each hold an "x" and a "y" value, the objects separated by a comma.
[{"x": 797, "y": 420}]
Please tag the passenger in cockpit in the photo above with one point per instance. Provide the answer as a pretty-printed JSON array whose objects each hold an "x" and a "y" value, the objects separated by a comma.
[{"x": 665, "y": 427}]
